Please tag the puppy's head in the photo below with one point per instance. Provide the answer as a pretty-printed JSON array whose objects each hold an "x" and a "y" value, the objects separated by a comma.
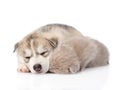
[{"x": 35, "y": 52}]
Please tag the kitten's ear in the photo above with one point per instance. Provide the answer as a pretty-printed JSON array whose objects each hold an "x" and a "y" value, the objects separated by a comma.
[
  {"x": 16, "y": 46},
  {"x": 53, "y": 42}
]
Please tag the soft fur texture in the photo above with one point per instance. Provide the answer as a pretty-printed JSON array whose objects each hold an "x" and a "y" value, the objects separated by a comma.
[
  {"x": 59, "y": 48},
  {"x": 77, "y": 54}
]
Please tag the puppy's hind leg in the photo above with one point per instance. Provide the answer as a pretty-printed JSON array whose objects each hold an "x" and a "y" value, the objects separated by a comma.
[{"x": 102, "y": 56}]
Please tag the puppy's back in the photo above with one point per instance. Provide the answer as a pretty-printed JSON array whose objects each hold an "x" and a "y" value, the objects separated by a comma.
[
  {"x": 58, "y": 30},
  {"x": 91, "y": 52}
]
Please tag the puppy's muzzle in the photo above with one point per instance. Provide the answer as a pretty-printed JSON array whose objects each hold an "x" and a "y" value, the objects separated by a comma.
[{"x": 37, "y": 67}]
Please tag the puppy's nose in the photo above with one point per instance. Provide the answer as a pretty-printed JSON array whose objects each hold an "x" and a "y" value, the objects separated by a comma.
[{"x": 37, "y": 67}]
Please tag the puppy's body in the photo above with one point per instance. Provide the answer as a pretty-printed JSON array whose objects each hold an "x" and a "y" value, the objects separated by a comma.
[
  {"x": 59, "y": 49},
  {"x": 81, "y": 53}
]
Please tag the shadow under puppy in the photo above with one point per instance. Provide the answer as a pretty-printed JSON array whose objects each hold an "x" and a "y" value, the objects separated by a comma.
[{"x": 59, "y": 49}]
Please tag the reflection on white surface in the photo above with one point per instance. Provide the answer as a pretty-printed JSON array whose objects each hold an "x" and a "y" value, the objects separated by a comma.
[{"x": 90, "y": 79}]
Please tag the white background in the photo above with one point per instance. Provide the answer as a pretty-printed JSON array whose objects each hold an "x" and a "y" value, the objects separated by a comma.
[{"x": 99, "y": 19}]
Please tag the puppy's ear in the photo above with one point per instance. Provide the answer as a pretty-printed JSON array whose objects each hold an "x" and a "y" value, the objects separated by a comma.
[
  {"x": 16, "y": 46},
  {"x": 53, "y": 42}
]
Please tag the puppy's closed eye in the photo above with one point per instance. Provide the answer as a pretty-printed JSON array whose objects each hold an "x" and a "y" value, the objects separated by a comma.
[
  {"x": 44, "y": 54},
  {"x": 27, "y": 58}
]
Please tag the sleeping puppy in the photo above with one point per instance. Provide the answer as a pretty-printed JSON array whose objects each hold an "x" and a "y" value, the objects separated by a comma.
[{"x": 59, "y": 49}]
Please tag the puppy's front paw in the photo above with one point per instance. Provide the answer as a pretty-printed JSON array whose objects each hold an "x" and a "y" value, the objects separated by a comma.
[
  {"x": 23, "y": 69},
  {"x": 66, "y": 70},
  {"x": 74, "y": 69}
]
